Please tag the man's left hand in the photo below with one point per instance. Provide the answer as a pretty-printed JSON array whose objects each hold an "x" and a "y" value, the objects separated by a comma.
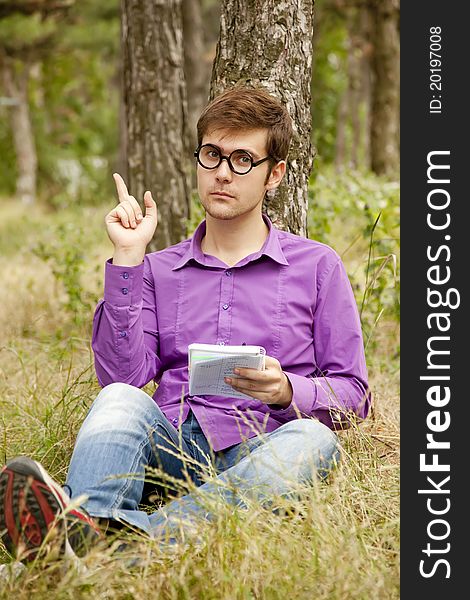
[{"x": 270, "y": 386}]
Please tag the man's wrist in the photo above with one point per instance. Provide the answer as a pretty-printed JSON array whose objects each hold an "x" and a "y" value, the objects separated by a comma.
[
  {"x": 286, "y": 398},
  {"x": 124, "y": 257}
]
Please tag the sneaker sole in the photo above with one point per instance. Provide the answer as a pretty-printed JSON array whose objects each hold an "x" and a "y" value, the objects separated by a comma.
[{"x": 30, "y": 502}]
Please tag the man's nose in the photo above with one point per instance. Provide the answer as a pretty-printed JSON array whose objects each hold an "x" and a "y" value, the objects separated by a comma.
[{"x": 223, "y": 172}]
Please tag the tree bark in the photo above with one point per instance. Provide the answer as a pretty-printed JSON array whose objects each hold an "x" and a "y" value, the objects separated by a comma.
[
  {"x": 16, "y": 86},
  {"x": 156, "y": 112},
  {"x": 365, "y": 25},
  {"x": 194, "y": 72},
  {"x": 384, "y": 142},
  {"x": 358, "y": 69},
  {"x": 354, "y": 83},
  {"x": 121, "y": 159},
  {"x": 269, "y": 43}
]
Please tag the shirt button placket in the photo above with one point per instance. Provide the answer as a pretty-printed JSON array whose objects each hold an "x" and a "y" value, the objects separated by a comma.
[{"x": 225, "y": 317}]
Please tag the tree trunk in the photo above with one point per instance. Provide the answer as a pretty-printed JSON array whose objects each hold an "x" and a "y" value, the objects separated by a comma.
[
  {"x": 359, "y": 73},
  {"x": 384, "y": 143},
  {"x": 194, "y": 72},
  {"x": 121, "y": 159},
  {"x": 354, "y": 84},
  {"x": 365, "y": 28},
  {"x": 16, "y": 86},
  {"x": 269, "y": 43},
  {"x": 156, "y": 112}
]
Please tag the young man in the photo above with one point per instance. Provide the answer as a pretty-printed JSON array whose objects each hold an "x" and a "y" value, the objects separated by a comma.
[{"x": 237, "y": 280}]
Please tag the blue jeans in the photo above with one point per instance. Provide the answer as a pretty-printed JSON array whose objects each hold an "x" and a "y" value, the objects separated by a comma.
[{"x": 126, "y": 439}]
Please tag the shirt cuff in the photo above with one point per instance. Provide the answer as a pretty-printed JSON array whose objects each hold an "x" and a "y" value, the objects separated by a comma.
[
  {"x": 123, "y": 285},
  {"x": 303, "y": 397}
]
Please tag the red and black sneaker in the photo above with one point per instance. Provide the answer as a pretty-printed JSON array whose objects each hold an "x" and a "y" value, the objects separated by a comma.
[{"x": 32, "y": 504}]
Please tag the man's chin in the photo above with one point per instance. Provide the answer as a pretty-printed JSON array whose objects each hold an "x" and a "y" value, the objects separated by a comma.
[{"x": 223, "y": 213}]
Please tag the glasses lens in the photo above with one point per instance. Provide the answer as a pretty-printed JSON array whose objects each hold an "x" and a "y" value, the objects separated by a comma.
[
  {"x": 241, "y": 161},
  {"x": 209, "y": 157}
]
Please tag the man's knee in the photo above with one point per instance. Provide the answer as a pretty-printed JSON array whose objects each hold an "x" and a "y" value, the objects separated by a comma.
[
  {"x": 120, "y": 404},
  {"x": 122, "y": 397},
  {"x": 314, "y": 442},
  {"x": 311, "y": 429},
  {"x": 122, "y": 393}
]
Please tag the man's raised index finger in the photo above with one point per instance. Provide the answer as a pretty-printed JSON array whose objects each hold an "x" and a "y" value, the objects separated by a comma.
[{"x": 121, "y": 187}]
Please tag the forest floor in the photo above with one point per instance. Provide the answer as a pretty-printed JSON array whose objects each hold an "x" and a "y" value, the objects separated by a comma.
[{"x": 338, "y": 540}]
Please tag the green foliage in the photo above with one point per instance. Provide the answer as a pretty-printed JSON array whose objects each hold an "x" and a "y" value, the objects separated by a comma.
[
  {"x": 358, "y": 215},
  {"x": 64, "y": 254},
  {"x": 7, "y": 153},
  {"x": 381, "y": 293},
  {"x": 329, "y": 80},
  {"x": 76, "y": 151},
  {"x": 196, "y": 213},
  {"x": 73, "y": 92},
  {"x": 19, "y": 32}
]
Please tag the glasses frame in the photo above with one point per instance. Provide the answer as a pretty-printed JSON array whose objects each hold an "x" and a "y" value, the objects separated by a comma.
[{"x": 227, "y": 158}]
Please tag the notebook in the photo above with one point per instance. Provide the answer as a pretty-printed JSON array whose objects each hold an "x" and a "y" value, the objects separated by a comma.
[{"x": 210, "y": 363}]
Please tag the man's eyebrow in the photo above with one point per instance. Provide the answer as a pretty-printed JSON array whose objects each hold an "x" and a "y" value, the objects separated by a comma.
[{"x": 251, "y": 152}]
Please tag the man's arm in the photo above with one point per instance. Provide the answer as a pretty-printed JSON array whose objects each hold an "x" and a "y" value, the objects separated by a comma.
[
  {"x": 338, "y": 391},
  {"x": 125, "y": 333}
]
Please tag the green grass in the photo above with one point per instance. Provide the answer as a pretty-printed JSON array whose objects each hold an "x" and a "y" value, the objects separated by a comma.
[{"x": 338, "y": 540}]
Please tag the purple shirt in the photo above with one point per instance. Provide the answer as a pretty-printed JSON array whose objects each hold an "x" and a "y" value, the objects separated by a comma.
[{"x": 292, "y": 297}]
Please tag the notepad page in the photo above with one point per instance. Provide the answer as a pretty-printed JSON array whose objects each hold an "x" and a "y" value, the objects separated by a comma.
[
  {"x": 201, "y": 352},
  {"x": 207, "y": 378}
]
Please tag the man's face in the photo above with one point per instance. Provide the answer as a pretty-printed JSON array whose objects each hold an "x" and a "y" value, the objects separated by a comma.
[{"x": 226, "y": 195}]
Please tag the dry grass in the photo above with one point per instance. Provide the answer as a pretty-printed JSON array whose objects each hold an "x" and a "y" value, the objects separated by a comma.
[{"x": 338, "y": 541}]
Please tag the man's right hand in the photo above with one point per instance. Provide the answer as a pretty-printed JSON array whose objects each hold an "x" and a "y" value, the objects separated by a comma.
[{"x": 128, "y": 229}]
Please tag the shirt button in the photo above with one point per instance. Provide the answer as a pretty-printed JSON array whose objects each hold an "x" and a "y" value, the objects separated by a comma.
[
  {"x": 122, "y": 334},
  {"x": 125, "y": 275},
  {"x": 175, "y": 421},
  {"x": 228, "y": 273},
  {"x": 225, "y": 306},
  {"x": 221, "y": 343},
  {"x": 125, "y": 291}
]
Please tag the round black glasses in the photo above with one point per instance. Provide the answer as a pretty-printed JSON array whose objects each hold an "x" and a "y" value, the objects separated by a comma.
[{"x": 239, "y": 161}]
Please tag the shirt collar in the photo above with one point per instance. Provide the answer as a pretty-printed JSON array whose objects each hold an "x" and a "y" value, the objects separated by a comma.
[{"x": 271, "y": 248}]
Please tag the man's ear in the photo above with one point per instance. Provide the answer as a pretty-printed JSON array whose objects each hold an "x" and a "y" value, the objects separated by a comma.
[{"x": 276, "y": 175}]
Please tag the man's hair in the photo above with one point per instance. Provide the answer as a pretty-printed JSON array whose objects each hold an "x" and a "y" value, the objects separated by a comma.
[{"x": 242, "y": 108}]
